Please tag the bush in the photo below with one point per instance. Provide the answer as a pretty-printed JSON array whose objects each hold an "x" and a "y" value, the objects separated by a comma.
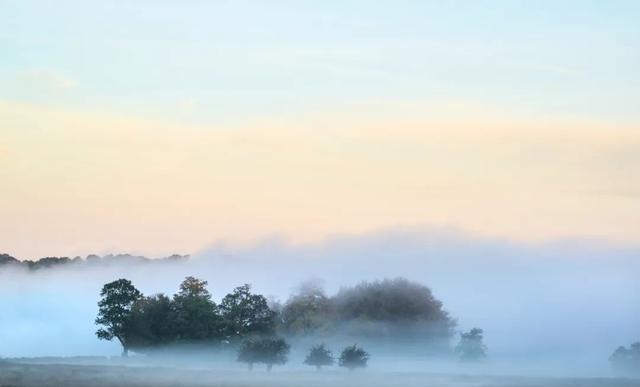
[
  {"x": 269, "y": 351},
  {"x": 353, "y": 357},
  {"x": 319, "y": 356},
  {"x": 471, "y": 347}
]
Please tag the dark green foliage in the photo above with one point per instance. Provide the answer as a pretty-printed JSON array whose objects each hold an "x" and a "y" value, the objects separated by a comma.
[
  {"x": 245, "y": 314},
  {"x": 306, "y": 312},
  {"x": 319, "y": 356},
  {"x": 392, "y": 306},
  {"x": 195, "y": 315},
  {"x": 353, "y": 357},
  {"x": 471, "y": 347},
  {"x": 191, "y": 318},
  {"x": 114, "y": 311},
  {"x": 627, "y": 360},
  {"x": 152, "y": 322},
  {"x": 268, "y": 350}
]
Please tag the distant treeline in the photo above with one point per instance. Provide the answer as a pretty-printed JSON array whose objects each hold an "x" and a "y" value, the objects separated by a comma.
[
  {"x": 7, "y": 260},
  {"x": 388, "y": 308}
]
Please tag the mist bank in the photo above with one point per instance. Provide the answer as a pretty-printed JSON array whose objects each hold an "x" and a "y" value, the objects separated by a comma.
[{"x": 563, "y": 306}]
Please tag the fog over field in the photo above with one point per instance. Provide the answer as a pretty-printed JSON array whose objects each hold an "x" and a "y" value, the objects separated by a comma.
[{"x": 553, "y": 309}]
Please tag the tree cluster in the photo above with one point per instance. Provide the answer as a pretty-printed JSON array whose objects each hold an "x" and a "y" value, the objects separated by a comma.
[
  {"x": 190, "y": 316},
  {"x": 7, "y": 260},
  {"x": 375, "y": 309},
  {"x": 273, "y": 350}
]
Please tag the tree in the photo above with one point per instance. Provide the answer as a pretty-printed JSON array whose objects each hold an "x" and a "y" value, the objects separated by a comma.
[
  {"x": 471, "y": 347},
  {"x": 353, "y": 357},
  {"x": 380, "y": 307},
  {"x": 269, "y": 351},
  {"x": 245, "y": 314},
  {"x": 308, "y": 311},
  {"x": 152, "y": 322},
  {"x": 114, "y": 312},
  {"x": 195, "y": 315},
  {"x": 627, "y": 360},
  {"x": 319, "y": 356}
]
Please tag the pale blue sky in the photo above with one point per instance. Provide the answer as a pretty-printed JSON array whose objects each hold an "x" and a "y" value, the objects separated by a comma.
[{"x": 220, "y": 61}]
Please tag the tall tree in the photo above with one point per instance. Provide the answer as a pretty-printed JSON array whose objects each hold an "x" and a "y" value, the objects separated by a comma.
[
  {"x": 195, "y": 314},
  {"x": 114, "y": 312},
  {"x": 245, "y": 314}
]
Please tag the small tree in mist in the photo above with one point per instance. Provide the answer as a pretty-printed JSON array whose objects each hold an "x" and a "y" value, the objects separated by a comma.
[
  {"x": 114, "y": 312},
  {"x": 627, "y": 360},
  {"x": 319, "y": 356},
  {"x": 471, "y": 346},
  {"x": 269, "y": 351},
  {"x": 353, "y": 357}
]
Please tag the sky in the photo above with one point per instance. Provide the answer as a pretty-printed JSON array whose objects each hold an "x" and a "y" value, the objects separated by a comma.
[{"x": 160, "y": 127}]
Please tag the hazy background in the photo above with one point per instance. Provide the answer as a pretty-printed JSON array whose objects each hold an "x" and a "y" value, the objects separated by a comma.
[
  {"x": 156, "y": 127},
  {"x": 562, "y": 307}
]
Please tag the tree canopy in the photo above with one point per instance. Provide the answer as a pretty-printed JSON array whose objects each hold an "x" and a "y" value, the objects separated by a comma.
[
  {"x": 244, "y": 313},
  {"x": 191, "y": 317},
  {"x": 195, "y": 315}
]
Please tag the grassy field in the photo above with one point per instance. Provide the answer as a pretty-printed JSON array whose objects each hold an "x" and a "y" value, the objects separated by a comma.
[{"x": 64, "y": 375}]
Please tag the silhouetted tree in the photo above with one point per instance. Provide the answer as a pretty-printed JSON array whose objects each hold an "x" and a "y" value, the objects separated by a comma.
[
  {"x": 319, "y": 356},
  {"x": 627, "y": 360},
  {"x": 307, "y": 311},
  {"x": 195, "y": 316},
  {"x": 245, "y": 314},
  {"x": 269, "y": 351},
  {"x": 114, "y": 311},
  {"x": 471, "y": 347},
  {"x": 353, "y": 357}
]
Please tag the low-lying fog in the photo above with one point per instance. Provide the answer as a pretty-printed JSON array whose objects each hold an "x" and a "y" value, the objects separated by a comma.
[{"x": 553, "y": 308}]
